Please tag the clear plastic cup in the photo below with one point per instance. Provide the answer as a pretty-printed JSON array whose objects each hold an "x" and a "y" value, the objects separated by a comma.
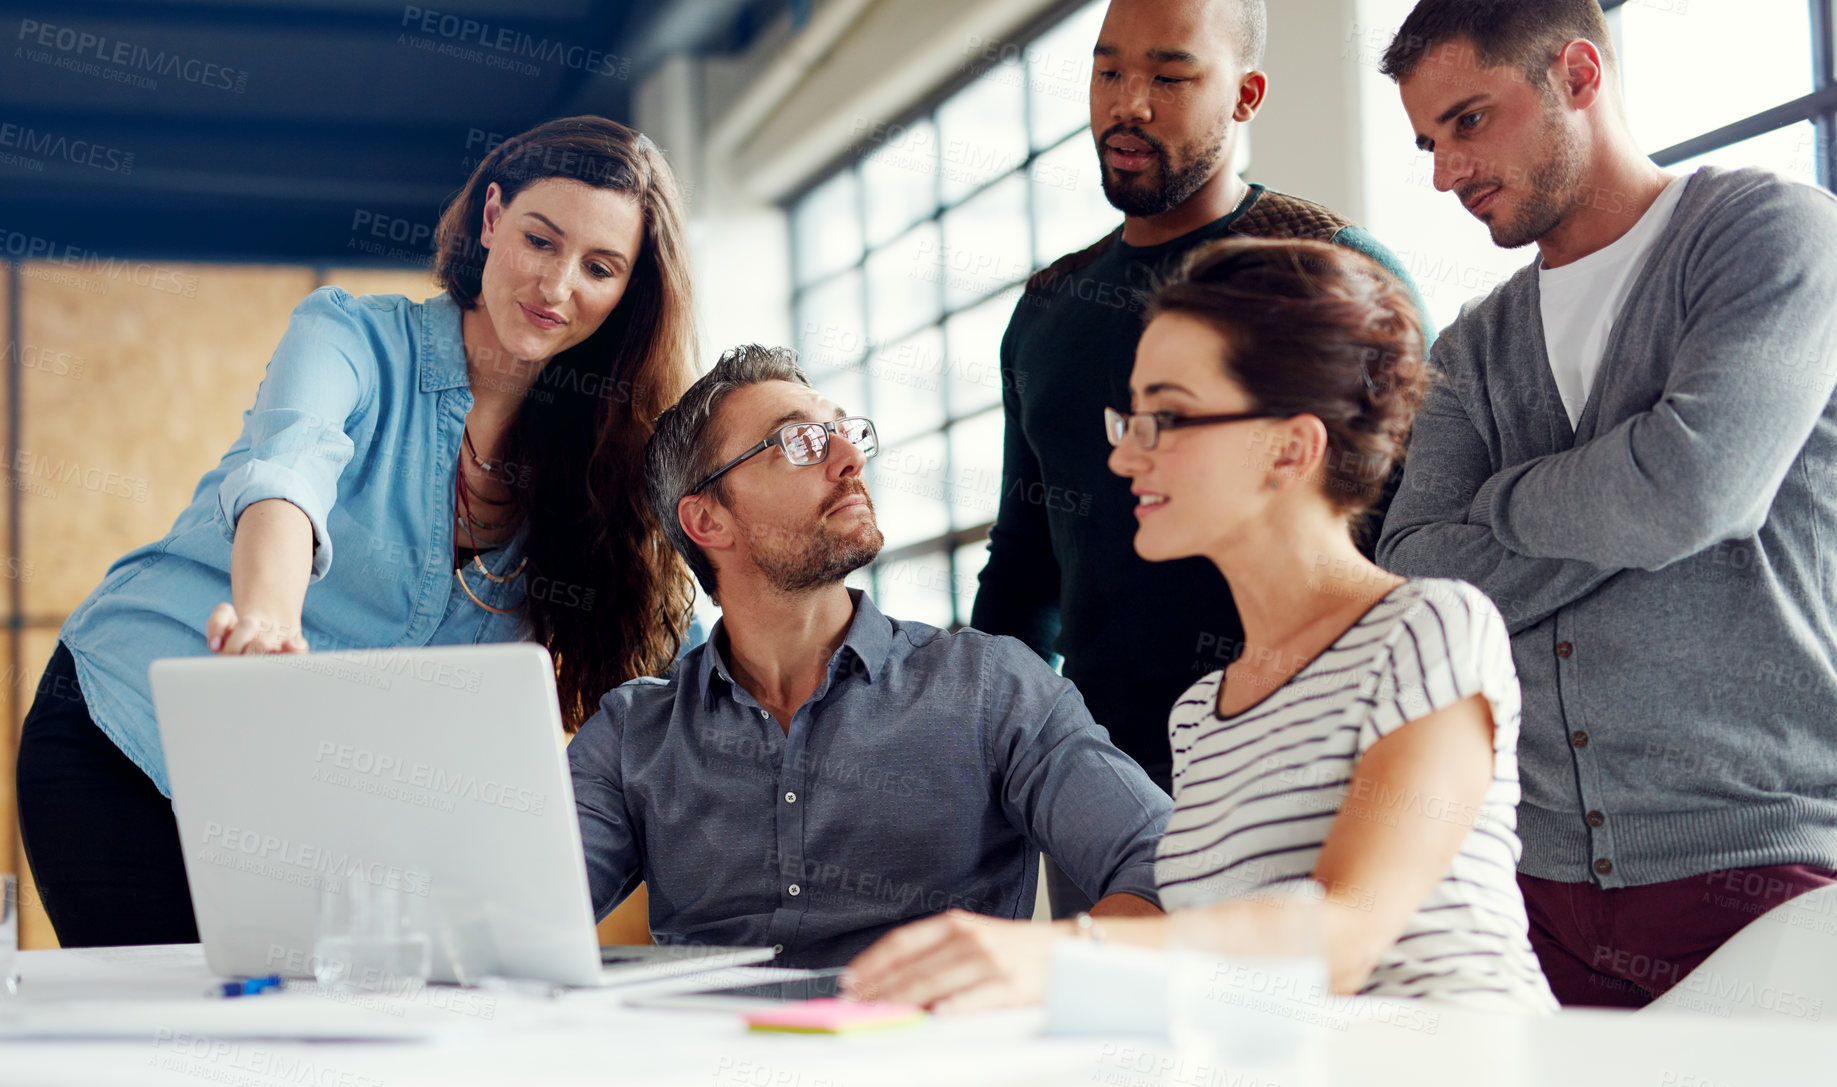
[
  {"x": 369, "y": 939},
  {"x": 9, "y": 936},
  {"x": 1253, "y": 997}
]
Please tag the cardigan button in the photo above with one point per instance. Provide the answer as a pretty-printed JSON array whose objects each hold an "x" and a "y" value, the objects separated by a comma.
[
  {"x": 1564, "y": 649},
  {"x": 1595, "y": 818},
  {"x": 1578, "y": 739},
  {"x": 1604, "y": 866}
]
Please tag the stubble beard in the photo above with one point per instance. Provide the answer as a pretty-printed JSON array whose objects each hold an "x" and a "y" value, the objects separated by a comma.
[
  {"x": 1549, "y": 193},
  {"x": 1166, "y": 184},
  {"x": 814, "y": 559}
]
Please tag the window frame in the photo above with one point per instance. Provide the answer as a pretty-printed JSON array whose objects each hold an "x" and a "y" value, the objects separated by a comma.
[
  {"x": 1819, "y": 107},
  {"x": 943, "y": 548}
]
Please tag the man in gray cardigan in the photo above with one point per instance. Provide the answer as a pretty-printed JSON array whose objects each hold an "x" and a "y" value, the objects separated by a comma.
[{"x": 1634, "y": 453}]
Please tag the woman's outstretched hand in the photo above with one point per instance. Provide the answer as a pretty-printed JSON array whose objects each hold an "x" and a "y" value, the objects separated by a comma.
[{"x": 233, "y": 635}]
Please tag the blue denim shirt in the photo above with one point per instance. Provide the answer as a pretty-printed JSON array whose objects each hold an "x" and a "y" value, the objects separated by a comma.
[
  {"x": 358, "y": 422},
  {"x": 926, "y": 772}
]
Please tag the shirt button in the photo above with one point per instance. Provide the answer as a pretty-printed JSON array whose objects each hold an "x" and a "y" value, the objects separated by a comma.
[
  {"x": 1563, "y": 649},
  {"x": 765, "y": 714},
  {"x": 796, "y": 890},
  {"x": 1604, "y": 866},
  {"x": 1595, "y": 818},
  {"x": 790, "y": 798},
  {"x": 778, "y": 949},
  {"x": 1578, "y": 739}
]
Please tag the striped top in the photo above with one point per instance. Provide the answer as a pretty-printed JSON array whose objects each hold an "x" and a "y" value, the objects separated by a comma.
[{"x": 1255, "y": 793}]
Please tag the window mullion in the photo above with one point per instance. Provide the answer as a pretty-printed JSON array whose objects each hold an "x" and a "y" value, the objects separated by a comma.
[
  {"x": 866, "y": 300},
  {"x": 1824, "y": 63}
]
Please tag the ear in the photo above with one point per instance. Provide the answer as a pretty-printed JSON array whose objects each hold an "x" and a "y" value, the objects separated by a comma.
[
  {"x": 1251, "y": 91},
  {"x": 1300, "y": 449},
  {"x": 706, "y": 522},
  {"x": 494, "y": 210},
  {"x": 1580, "y": 73}
]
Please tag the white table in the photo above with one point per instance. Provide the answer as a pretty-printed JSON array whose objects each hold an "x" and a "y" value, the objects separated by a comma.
[{"x": 592, "y": 1037}]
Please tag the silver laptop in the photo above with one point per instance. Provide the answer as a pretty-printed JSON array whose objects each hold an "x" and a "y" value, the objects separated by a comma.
[{"x": 441, "y": 773}]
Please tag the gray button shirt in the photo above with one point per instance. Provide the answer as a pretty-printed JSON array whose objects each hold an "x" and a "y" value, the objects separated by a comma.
[{"x": 926, "y": 772}]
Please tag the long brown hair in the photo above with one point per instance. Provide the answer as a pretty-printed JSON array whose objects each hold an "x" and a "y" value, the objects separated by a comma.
[{"x": 604, "y": 591}]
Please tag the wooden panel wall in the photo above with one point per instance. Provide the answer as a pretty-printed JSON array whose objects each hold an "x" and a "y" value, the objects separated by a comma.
[
  {"x": 166, "y": 379},
  {"x": 419, "y": 286}
]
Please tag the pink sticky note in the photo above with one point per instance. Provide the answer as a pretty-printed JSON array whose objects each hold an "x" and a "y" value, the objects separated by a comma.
[{"x": 829, "y": 1015}]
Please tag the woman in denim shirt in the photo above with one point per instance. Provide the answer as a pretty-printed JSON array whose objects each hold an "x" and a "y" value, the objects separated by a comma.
[{"x": 464, "y": 470}]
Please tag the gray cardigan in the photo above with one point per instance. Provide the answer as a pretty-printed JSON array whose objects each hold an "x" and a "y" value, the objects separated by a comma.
[{"x": 1666, "y": 568}]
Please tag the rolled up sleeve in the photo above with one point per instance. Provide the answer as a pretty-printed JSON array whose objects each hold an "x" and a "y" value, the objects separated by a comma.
[
  {"x": 321, "y": 374},
  {"x": 1065, "y": 785}
]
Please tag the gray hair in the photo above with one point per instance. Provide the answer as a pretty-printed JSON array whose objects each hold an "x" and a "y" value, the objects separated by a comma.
[{"x": 683, "y": 448}]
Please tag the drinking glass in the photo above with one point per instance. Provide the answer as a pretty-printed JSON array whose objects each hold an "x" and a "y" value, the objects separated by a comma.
[
  {"x": 369, "y": 938},
  {"x": 1248, "y": 987},
  {"x": 9, "y": 935}
]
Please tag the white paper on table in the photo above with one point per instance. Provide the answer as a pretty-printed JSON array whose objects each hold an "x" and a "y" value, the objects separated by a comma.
[
  {"x": 269, "y": 1016},
  {"x": 1107, "y": 989}
]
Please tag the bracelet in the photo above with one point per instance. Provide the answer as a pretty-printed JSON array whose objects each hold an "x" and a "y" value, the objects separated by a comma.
[{"x": 1087, "y": 927}]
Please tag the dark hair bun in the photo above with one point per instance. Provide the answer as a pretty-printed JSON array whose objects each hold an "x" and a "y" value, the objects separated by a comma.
[{"x": 1314, "y": 329}]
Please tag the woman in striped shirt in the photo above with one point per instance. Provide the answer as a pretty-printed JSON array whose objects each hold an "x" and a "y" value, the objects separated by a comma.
[{"x": 1365, "y": 739}]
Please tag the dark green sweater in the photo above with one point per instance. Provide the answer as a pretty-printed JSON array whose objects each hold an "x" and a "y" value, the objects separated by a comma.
[{"x": 1062, "y": 573}]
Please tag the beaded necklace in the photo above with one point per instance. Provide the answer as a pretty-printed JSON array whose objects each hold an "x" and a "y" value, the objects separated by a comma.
[{"x": 463, "y": 513}]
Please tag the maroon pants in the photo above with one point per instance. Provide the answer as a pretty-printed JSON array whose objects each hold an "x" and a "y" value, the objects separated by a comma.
[{"x": 1623, "y": 948}]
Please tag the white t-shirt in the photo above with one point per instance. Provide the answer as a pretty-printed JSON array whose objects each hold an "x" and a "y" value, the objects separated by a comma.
[
  {"x": 1582, "y": 299},
  {"x": 1255, "y": 793}
]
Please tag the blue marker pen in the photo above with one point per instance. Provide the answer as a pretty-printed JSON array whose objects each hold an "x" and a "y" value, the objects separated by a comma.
[{"x": 247, "y": 987}]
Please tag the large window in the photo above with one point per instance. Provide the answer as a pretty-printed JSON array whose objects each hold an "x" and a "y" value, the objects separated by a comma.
[
  {"x": 1730, "y": 82},
  {"x": 906, "y": 264}
]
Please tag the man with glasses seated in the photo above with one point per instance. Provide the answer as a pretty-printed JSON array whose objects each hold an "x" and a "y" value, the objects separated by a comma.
[{"x": 816, "y": 773}]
